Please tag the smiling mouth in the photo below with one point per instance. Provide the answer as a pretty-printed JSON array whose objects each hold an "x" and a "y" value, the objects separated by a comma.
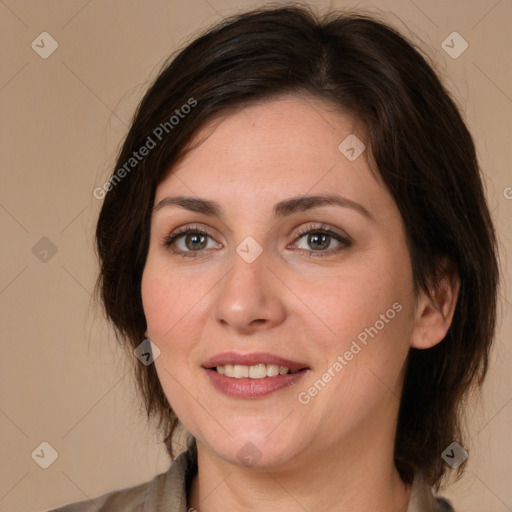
[
  {"x": 257, "y": 371},
  {"x": 253, "y": 376}
]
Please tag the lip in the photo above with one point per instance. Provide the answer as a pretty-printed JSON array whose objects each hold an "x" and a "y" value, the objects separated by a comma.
[{"x": 252, "y": 388}]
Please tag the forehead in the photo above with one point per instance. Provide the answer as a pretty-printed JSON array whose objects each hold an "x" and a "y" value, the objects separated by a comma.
[
  {"x": 287, "y": 145},
  {"x": 277, "y": 124}
]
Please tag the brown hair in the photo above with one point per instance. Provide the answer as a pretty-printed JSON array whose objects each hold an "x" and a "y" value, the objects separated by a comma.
[{"x": 422, "y": 149}]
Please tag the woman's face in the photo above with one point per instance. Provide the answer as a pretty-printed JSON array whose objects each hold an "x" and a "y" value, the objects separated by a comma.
[{"x": 278, "y": 276}]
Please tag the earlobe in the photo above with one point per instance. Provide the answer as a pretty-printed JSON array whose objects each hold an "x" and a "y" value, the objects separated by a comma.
[{"x": 434, "y": 311}]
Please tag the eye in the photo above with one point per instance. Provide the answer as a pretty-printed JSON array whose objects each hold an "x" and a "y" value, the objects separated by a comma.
[
  {"x": 188, "y": 241},
  {"x": 318, "y": 240}
]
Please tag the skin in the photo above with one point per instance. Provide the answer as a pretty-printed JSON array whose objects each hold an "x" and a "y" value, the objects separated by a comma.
[{"x": 293, "y": 304}]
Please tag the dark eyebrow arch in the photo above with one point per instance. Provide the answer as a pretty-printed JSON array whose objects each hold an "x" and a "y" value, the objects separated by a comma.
[
  {"x": 205, "y": 206},
  {"x": 281, "y": 209}
]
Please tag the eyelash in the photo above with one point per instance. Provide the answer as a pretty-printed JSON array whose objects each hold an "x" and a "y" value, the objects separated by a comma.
[{"x": 319, "y": 229}]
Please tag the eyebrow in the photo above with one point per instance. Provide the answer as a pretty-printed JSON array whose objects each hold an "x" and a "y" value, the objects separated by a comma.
[{"x": 281, "y": 209}]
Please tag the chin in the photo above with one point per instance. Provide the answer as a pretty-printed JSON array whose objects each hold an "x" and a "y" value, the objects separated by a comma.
[{"x": 256, "y": 449}]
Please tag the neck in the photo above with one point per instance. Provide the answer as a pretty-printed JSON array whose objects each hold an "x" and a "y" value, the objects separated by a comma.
[{"x": 356, "y": 475}]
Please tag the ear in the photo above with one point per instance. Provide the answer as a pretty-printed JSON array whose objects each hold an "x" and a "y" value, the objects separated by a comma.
[{"x": 434, "y": 311}]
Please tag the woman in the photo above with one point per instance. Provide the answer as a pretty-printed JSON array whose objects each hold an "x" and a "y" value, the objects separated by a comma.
[{"x": 296, "y": 246}]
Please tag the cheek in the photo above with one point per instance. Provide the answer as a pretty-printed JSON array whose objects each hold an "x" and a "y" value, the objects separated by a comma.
[
  {"x": 348, "y": 301},
  {"x": 176, "y": 308},
  {"x": 167, "y": 297},
  {"x": 368, "y": 311},
  {"x": 156, "y": 302},
  {"x": 171, "y": 306}
]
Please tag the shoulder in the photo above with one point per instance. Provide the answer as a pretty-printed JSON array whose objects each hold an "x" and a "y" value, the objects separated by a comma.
[{"x": 169, "y": 488}]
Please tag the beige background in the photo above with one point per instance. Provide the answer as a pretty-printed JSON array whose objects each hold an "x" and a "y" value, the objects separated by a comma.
[{"x": 63, "y": 379}]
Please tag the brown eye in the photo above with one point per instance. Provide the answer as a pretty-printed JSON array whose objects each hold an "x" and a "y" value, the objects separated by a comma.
[
  {"x": 189, "y": 242},
  {"x": 195, "y": 241},
  {"x": 319, "y": 241}
]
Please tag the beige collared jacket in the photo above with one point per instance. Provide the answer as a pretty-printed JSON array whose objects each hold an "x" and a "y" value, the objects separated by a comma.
[{"x": 167, "y": 492}]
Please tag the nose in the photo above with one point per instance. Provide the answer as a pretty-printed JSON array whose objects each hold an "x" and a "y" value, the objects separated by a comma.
[{"x": 250, "y": 297}]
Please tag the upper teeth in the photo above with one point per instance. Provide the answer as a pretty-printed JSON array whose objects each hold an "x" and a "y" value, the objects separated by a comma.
[{"x": 257, "y": 371}]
